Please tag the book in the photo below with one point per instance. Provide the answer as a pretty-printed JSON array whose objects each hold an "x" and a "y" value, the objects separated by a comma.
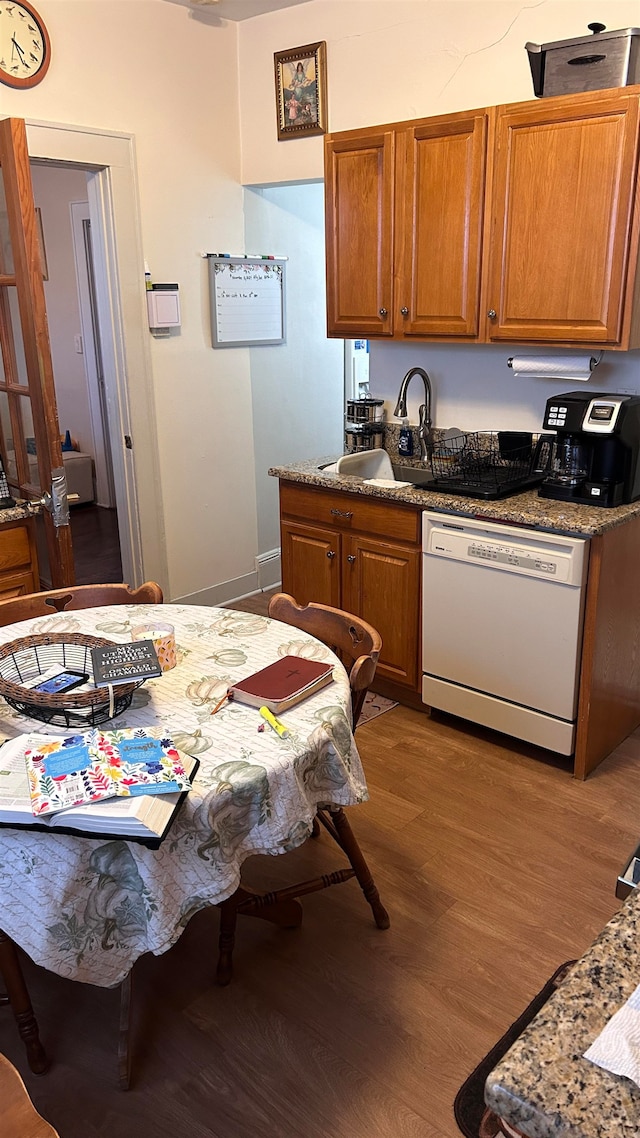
[
  {"x": 142, "y": 818},
  {"x": 283, "y": 684},
  {"x": 80, "y": 769},
  {"x": 124, "y": 663}
]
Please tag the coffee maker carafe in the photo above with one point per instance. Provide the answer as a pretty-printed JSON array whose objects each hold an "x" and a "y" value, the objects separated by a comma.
[{"x": 596, "y": 451}]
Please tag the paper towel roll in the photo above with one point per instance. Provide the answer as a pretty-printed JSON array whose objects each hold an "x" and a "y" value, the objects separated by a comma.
[{"x": 554, "y": 367}]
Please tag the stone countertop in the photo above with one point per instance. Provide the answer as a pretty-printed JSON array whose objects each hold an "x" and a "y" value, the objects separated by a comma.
[
  {"x": 543, "y": 1086},
  {"x": 526, "y": 509},
  {"x": 17, "y": 513}
]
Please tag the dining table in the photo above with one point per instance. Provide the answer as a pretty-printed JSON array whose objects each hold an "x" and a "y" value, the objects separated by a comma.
[{"x": 88, "y": 908}]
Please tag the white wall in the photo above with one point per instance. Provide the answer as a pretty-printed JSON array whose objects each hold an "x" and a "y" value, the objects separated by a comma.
[
  {"x": 53, "y": 190},
  {"x": 178, "y": 96},
  {"x": 297, "y": 388}
]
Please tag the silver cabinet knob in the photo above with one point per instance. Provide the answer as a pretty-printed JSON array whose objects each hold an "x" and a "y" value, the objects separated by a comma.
[
  {"x": 331, "y": 553},
  {"x": 341, "y": 513},
  {"x": 492, "y": 313},
  {"x": 351, "y": 559},
  {"x": 383, "y": 312},
  {"x": 404, "y": 311}
]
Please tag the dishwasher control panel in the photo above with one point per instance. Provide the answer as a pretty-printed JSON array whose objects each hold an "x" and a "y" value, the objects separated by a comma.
[
  {"x": 550, "y": 557},
  {"x": 511, "y": 555}
]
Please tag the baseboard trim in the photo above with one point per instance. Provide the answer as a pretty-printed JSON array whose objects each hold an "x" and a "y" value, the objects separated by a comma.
[
  {"x": 269, "y": 569},
  {"x": 223, "y": 593}
]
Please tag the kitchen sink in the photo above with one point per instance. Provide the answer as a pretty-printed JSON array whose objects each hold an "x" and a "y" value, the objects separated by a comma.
[
  {"x": 376, "y": 466},
  {"x": 417, "y": 475}
]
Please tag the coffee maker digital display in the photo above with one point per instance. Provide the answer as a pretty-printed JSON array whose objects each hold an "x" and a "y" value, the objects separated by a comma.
[{"x": 596, "y": 452}]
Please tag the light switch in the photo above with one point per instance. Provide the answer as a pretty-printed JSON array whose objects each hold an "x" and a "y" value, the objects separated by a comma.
[{"x": 77, "y": 343}]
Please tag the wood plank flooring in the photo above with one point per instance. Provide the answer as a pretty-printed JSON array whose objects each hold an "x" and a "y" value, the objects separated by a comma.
[{"x": 495, "y": 865}]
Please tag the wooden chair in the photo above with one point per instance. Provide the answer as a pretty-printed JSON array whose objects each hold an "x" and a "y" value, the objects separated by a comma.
[
  {"x": 24, "y": 608},
  {"x": 358, "y": 645},
  {"x": 77, "y": 597},
  {"x": 20, "y": 1118}
]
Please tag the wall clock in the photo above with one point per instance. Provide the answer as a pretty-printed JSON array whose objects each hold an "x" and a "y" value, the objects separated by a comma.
[{"x": 25, "y": 48}]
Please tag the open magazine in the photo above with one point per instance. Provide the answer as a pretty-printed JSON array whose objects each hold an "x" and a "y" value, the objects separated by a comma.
[{"x": 141, "y": 814}]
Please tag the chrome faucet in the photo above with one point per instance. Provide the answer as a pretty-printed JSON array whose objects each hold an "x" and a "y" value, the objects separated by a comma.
[{"x": 425, "y": 436}]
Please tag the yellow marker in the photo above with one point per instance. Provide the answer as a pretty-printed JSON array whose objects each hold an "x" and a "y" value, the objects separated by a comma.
[{"x": 278, "y": 727}]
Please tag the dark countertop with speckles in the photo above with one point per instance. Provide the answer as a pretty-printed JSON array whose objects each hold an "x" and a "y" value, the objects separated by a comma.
[
  {"x": 543, "y": 1086},
  {"x": 17, "y": 513},
  {"x": 525, "y": 509}
]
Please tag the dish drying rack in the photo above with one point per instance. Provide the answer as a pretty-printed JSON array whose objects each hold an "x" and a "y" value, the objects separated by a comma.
[{"x": 485, "y": 464}]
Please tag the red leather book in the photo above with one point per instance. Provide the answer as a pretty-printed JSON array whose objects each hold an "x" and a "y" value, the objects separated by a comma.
[{"x": 283, "y": 684}]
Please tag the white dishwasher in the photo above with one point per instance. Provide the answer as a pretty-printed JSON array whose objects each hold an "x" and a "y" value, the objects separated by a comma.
[{"x": 502, "y": 626}]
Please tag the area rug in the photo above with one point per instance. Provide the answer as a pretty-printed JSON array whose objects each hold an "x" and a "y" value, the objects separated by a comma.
[
  {"x": 472, "y": 1116},
  {"x": 373, "y": 706}
]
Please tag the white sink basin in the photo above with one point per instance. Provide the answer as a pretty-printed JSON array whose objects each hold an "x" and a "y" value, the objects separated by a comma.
[{"x": 366, "y": 464}]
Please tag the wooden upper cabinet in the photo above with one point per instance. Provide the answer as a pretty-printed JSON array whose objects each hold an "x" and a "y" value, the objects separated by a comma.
[
  {"x": 563, "y": 251},
  {"x": 441, "y": 193},
  {"x": 518, "y": 224},
  {"x": 404, "y": 216},
  {"x": 359, "y": 197}
]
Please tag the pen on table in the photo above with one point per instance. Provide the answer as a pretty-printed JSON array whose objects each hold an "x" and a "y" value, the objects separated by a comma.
[
  {"x": 220, "y": 703},
  {"x": 278, "y": 727}
]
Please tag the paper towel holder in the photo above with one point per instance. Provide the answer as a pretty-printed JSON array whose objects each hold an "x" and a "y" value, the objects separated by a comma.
[{"x": 588, "y": 364}]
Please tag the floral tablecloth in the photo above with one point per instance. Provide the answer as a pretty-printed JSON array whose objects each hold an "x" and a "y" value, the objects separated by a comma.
[{"x": 88, "y": 908}]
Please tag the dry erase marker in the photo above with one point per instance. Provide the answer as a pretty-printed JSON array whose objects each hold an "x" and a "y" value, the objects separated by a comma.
[{"x": 278, "y": 727}]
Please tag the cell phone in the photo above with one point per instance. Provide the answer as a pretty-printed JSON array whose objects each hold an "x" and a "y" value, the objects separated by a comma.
[{"x": 64, "y": 681}]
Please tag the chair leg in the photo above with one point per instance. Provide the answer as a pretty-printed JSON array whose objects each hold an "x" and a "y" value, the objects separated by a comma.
[
  {"x": 18, "y": 997},
  {"x": 347, "y": 840},
  {"x": 227, "y": 940},
  {"x": 124, "y": 1050}
]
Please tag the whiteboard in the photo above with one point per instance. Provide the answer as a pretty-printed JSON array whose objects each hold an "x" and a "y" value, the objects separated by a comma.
[{"x": 247, "y": 300}]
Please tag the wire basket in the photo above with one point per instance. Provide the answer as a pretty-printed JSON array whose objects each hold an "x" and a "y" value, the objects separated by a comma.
[
  {"x": 487, "y": 461},
  {"x": 25, "y": 659}
]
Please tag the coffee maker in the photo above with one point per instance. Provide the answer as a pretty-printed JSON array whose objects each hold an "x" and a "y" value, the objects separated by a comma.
[{"x": 596, "y": 452}]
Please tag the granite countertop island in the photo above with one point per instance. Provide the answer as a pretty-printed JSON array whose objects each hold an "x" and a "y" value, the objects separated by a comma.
[
  {"x": 526, "y": 509},
  {"x": 544, "y": 1087}
]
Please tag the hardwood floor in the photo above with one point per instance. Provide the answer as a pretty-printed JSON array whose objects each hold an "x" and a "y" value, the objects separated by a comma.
[
  {"x": 96, "y": 547},
  {"x": 495, "y": 865}
]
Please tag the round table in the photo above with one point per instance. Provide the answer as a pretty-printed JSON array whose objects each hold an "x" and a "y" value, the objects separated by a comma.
[{"x": 88, "y": 908}]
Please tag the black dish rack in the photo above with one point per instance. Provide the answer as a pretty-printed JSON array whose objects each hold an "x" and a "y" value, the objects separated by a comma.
[{"x": 489, "y": 464}]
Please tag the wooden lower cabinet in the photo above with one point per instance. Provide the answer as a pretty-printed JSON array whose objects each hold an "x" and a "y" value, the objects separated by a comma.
[
  {"x": 18, "y": 559},
  {"x": 349, "y": 566}
]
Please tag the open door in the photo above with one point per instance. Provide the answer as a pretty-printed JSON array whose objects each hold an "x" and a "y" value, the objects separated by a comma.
[{"x": 29, "y": 430}]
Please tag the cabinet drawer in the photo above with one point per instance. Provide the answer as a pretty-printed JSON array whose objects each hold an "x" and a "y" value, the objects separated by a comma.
[
  {"x": 15, "y": 549},
  {"x": 350, "y": 512}
]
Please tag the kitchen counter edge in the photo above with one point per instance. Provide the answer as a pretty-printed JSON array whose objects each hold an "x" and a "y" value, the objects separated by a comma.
[
  {"x": 544, "y": 1086},
  {"x": 526, "y": 509}
]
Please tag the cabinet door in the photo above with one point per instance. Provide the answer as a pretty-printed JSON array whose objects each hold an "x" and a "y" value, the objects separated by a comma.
[
  {"x": 440, "y": 234},
  {"x": 381, "y": 583},
  {"x": 563, "y": 195},
  {"x": 359, "y": 189},
  {"x": 311, "y": 563}
]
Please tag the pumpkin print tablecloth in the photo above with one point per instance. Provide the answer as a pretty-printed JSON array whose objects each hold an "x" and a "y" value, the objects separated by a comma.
[{"x": 88, "y": 908}]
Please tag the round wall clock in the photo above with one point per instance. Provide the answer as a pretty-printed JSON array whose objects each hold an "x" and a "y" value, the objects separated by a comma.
[{"x": 25, "y": 48}]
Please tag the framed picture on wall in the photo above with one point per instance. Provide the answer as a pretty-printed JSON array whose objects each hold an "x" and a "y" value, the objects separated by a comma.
[{"x": 301, "y": 90}]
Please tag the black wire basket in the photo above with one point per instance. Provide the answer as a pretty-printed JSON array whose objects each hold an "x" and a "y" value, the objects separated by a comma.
[
  {"x": 26, "y": 659},
  {"x": 487, "y": 463}
]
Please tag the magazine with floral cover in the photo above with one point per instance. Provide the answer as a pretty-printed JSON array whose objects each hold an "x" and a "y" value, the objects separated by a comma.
[{"x": 85, "y": 768}]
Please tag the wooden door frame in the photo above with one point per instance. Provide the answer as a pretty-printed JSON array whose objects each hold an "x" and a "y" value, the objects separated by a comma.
[{"x": 119, "y": 261}]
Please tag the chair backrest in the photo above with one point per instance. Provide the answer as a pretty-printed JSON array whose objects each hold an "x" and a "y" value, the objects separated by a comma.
[
  {"x": 19, "y": 1116},
  {"x": 77, "y": 597},
  {"x": 355, "y": 641}
]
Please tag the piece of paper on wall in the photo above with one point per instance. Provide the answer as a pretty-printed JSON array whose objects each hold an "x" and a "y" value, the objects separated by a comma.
[{"x": 247, "y": 301}]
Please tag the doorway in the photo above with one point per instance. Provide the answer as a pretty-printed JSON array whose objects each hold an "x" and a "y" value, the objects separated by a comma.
[{"x": 60, "y": 195}]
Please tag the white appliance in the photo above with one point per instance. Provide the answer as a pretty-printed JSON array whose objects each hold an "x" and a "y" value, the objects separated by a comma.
[{"x": 502, "y": 626}]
